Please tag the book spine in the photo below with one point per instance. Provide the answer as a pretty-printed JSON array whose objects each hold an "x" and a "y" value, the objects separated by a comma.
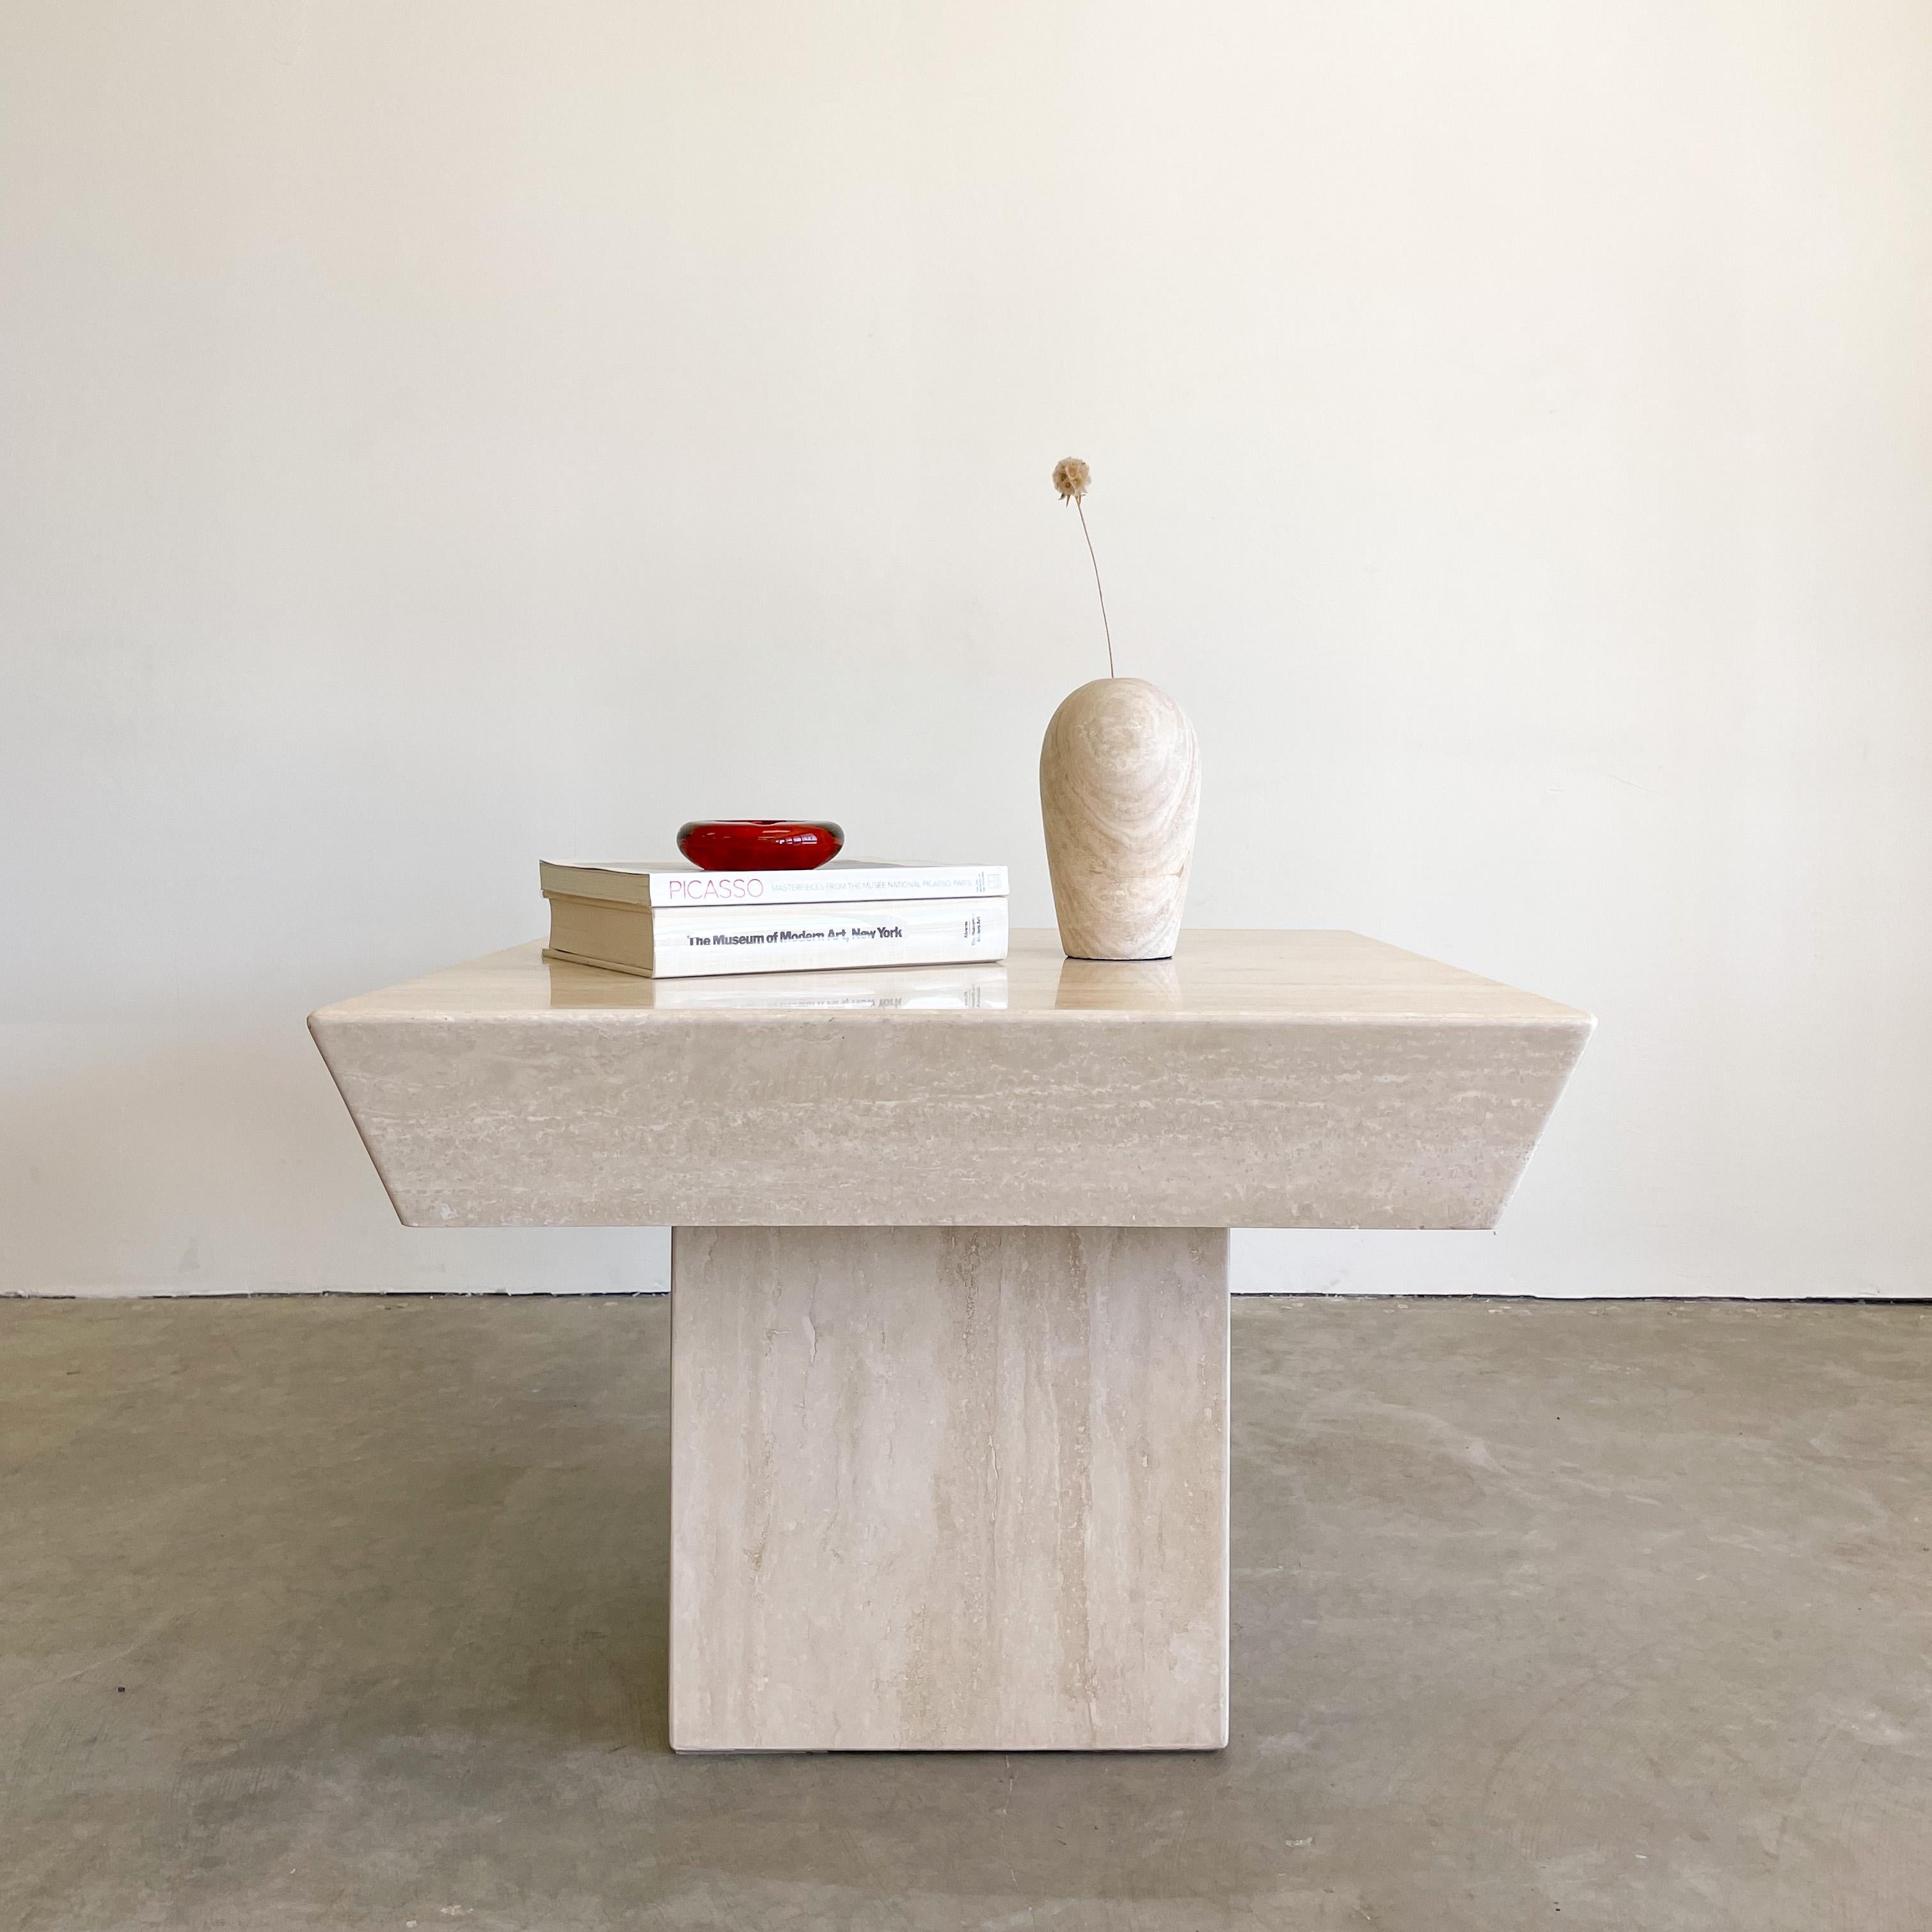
[
  {"x": 845, "y": 887},
  {"x": 935, "y": 933}
]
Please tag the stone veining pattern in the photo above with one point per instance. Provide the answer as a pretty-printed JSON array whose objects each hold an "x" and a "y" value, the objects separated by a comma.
[
  {"x": 949, "y": 1489},
  {"x": 1119, "y": 794},
  {"x": 1258, "y": 1080}
]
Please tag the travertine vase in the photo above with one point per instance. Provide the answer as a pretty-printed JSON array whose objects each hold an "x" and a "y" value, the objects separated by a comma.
[{"x": 1120, "y": 790}]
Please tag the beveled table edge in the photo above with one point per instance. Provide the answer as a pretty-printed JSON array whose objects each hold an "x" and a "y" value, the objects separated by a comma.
[{"x": 1439, "y": 994}]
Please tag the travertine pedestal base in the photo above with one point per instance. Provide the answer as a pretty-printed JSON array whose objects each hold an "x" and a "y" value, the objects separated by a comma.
[{"x": 949, "y": 1489}]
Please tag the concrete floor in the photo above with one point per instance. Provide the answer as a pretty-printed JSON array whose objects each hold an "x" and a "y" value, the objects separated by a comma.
[{"x": 351, "y": 1613}]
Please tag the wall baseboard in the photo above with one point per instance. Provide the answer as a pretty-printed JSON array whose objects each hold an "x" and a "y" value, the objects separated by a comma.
[{"x": 1849, "y": 1298}]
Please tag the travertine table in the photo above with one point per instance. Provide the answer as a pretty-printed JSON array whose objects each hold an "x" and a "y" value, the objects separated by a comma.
[{"x": 948, "y": 1280}]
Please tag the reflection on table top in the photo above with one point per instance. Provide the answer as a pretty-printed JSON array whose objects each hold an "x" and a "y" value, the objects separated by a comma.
[{"x": 1311, "y": 975}]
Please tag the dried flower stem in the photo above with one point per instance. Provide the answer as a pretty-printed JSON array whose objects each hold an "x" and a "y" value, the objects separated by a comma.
[
  {"x": 1073, "y": 479},
  {"x": 1081, "y": 509}
]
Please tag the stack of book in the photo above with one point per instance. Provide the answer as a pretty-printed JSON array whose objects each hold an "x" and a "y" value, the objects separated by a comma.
[{"x": 675, "y": 921}]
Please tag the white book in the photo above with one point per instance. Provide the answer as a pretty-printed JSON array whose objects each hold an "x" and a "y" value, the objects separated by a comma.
[
  {"x": 844, "y": 882},
  {"x": 684, "y": 942}
]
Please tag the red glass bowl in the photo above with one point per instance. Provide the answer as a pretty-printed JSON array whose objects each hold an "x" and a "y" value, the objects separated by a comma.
[{"x": 760, "y": 844}]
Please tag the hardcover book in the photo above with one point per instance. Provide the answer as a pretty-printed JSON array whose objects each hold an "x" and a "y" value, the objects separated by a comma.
[
  {"x": 683, "y": 942},
  {"x": 844, "y": 882}
]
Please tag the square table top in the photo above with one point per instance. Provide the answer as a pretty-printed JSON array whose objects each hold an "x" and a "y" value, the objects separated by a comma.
[
  {"x": 1257, "y": 1079},
  {"x": 1232, "y": 974}
]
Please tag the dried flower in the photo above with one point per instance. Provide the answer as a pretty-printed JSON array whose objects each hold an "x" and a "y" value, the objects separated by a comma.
[{"x": 1072, "y": 478}]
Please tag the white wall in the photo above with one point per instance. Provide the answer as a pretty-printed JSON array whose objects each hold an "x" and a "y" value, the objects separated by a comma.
[{"x": 435, "y": 435}]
